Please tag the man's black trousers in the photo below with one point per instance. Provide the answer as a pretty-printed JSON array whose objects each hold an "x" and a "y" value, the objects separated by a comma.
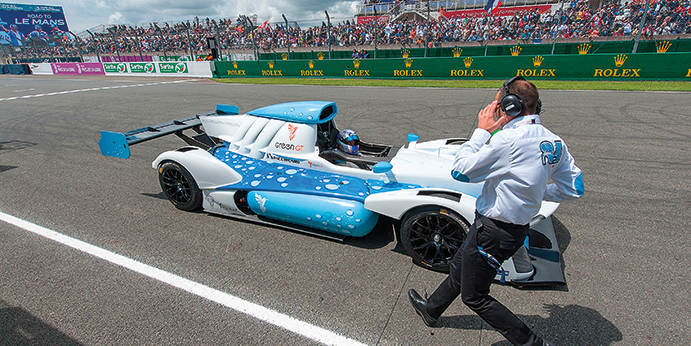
[{"x": 471, "y": 276}]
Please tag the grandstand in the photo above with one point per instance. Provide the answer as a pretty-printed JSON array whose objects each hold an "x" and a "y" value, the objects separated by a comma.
[{"x": 403, "y": 23}]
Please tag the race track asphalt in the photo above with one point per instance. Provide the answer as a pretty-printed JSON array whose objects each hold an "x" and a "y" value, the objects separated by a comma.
[{"x": 625, "y": 243}]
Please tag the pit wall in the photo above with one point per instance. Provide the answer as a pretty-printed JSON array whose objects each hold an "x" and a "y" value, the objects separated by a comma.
[{"x": 640, "y": 66}]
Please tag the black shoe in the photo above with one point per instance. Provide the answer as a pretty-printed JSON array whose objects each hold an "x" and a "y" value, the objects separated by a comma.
[{"x": 420, "y": 306}]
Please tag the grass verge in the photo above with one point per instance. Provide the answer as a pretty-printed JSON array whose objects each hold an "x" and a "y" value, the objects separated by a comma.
[{"x": 554, "y": 85}]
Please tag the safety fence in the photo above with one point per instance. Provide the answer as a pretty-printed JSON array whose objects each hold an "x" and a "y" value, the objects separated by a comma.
[{"x": 641, "y": 66}]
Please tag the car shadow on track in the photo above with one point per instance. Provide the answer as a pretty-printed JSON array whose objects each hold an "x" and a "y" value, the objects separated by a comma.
[
  {"x": 19, "y": 327},
  {"x": 382, "y": 235},
  {"x": 566, "y": 325},
  {"x": 14, "y": 145}
]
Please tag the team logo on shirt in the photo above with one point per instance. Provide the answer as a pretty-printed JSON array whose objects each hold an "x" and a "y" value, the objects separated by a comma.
[{"x": 551, "y": 152}]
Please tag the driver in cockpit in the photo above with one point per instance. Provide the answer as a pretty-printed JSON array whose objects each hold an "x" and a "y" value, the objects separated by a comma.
[{"x": 348, "y": 142}]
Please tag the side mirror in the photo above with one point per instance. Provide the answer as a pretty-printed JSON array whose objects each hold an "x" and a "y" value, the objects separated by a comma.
[{"x": 382, "y": 167}]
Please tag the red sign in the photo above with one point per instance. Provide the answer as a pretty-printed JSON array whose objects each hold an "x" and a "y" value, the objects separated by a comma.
[
  {"x": 499, "y": 12},
  {"x": 370, "y": 19}
]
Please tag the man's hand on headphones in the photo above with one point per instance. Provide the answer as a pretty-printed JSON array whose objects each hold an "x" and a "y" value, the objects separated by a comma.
[{"x": 485, "y": 119}]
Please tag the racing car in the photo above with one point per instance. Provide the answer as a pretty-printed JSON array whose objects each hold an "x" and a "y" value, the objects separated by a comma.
[{"x": 281, "y": 165}]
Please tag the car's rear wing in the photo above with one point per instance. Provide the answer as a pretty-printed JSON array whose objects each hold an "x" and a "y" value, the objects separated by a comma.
[{"x": 118, "y": 144}]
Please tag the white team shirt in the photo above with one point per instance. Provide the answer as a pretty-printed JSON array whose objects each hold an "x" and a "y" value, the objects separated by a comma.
[{"x": 516, "y": 166}]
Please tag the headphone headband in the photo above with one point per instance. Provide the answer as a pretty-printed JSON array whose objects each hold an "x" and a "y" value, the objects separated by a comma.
[{"x": 508, "y": 82}]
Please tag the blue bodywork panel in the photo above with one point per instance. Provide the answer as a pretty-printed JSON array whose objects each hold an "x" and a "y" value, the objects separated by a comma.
[
  {"x": 330, "y": 202},
  {"x": 306, "y": 112},
  {"x": 258, "y": 175},
  {"x": 114, "y": 144},
  {"x": 333, "y": 215}
]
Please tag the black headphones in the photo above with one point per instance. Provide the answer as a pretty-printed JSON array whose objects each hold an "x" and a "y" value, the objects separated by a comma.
[{"x": 512, "y": 104}]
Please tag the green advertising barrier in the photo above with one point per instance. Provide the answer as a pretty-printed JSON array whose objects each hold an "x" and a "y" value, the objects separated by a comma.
[
  {"x": 593, "y": 47},
  {"x": 642, "y": 66}
]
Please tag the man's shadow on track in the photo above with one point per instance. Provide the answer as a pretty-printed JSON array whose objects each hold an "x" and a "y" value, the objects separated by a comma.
[{"x": 566, "y": 325}]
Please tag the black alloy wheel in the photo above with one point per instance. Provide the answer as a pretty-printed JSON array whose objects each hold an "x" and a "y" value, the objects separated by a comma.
[
  {"x": 432, "y": 236},
  {"x": 179, "y": 186}
]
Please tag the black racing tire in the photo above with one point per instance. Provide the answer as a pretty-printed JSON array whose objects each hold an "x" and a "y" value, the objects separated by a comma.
[
  {"x": 432, "y": 236},
  {"x": 179, "y": 186}
]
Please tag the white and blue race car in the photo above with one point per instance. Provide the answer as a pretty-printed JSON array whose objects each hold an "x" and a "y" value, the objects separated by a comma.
[{"x": 280, "y": 165}]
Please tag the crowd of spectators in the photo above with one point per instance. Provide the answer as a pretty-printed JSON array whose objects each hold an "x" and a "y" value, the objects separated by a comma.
[{"x": 574, "y": 19}]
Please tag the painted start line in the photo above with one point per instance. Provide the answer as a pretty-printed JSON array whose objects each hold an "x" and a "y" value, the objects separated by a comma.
[{"x": 259, "y": 312}]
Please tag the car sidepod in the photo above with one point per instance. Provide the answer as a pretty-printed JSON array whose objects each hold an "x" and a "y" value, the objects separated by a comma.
[{"x": 300, "y": 196}]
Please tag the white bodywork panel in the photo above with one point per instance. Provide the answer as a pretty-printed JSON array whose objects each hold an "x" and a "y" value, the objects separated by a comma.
[
  {"x": 426, "y": 164},
  {"x": 208, "y": 171}
]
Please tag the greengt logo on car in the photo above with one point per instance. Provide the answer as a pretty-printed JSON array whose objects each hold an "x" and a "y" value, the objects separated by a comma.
[
  {"x": 289, "y": 146},
  {"x": 291, "y": 130}
]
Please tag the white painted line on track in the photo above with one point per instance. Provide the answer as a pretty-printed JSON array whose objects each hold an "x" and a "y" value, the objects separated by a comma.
[
  {"x": 92, "y": 89},
  {"x": 259, "y": 312}
]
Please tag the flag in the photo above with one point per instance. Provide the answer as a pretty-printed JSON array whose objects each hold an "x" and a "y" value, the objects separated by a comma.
[
  {"x": 492, "y": 5},
  {"x": 264, "y": 25}
]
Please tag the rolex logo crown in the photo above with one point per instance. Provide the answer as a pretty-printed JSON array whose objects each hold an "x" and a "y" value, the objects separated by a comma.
[
  {"x": 271, "y": 64},
  {"x": 284, "y": 56},
  {"x": 235, "y": 65},
  {"x": 583, "y": 48},
  {"x": 467, "y": 62},
  {"x": 457, "y": 52},
  {"x": 320, "y": 55},
  {"x": 408, "y": 63},
  {"x": 537, "y": 61},
  {"x": 515, "y": 50},
  {"x": 405, "y": 53},
  {"x": 620, "y": 59},
  {"x": 663, "y": 46},
  {"x": 311, "y": 64},
  {"x": 356, "y": 63}
]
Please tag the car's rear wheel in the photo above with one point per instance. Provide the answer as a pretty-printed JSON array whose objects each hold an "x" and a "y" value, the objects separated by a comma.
[
  {"x": 179, "y": 186},
  {"x": 432, "y": 236}
]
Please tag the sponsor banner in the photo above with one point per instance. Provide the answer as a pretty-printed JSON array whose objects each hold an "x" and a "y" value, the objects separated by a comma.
[
  {"x": 180, "y": 68},
  {"x": 41, "y": 68},
  {"x": 142, "y": 67},
  {"x": 583, "y": 66},
  {"x": 78, "y": 68},
  {"x": 28, "y": 24},
  {"x": 173, "y": 67},
  {"x": 499, "y": 12},
  {"x": 115, "y": 67}
]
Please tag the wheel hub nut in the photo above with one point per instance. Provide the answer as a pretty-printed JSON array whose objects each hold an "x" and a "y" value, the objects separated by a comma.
[{"x": 437, "y": 238}]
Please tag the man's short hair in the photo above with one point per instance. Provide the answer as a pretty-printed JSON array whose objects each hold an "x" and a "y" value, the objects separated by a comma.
[{"x": 527, "y": 91}]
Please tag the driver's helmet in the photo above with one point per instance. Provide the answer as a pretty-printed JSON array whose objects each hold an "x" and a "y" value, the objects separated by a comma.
[{"x": 349, "y": 142}]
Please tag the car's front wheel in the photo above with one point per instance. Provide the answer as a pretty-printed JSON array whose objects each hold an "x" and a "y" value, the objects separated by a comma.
[
  {"x": 432, "y": 235},
  {"x": 179, "y": 186}
]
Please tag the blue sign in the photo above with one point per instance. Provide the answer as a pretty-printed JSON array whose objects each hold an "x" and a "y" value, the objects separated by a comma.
[{"x": 22, "y": 25}]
